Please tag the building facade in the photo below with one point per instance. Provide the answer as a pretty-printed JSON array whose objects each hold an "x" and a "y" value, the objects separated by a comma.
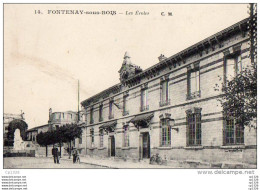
[{"x": 172, "y": 108}]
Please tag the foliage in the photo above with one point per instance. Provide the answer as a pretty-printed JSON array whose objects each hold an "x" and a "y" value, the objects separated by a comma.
[
  {"x": 65, "y": 133},
  {"x": 70, "y": 132},
  {"x": 240, "y": 97},
  {"x": 16, "y": 124},
  {"x": 44, "y": 139}
]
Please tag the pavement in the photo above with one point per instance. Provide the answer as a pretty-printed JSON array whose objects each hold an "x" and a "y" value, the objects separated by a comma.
[
  {"x": 42, "y": 163},
  {"x": 117, "y": 163}
]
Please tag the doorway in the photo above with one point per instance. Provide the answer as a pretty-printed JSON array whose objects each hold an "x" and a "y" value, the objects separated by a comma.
[
  {"x": 146, "y": 145},
  {"x": 111, "y": 147}
]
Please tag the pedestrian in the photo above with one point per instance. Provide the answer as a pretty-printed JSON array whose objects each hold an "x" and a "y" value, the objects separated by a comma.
[
  {"x": 77, "y": 159},
  {"x": 55, "y": 155},
  {"x": 73, "y": 155}
]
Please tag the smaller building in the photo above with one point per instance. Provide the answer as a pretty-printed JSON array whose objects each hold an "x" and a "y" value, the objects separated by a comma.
[{"x": 32, "y": 133}]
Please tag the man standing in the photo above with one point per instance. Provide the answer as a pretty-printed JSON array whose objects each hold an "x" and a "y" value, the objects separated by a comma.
[{"x": 55, "y": 155}]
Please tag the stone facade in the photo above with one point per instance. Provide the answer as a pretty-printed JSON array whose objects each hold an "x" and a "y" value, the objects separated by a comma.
[{"x": 152, "y": 111}]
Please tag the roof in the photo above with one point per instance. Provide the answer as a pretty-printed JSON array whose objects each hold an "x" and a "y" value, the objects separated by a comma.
[
  {"x": 178, "y": 57},
  {"x": 38, "y": 127}
]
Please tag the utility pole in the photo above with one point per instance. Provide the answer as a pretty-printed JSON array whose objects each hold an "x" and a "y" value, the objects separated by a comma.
[{"x": 78, "y": 103}]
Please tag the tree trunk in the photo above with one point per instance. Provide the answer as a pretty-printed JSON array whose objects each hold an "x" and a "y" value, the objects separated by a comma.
[
  {"x": 70, "y": 150},
  {"x": 60, "y": 149},
  {"x": 46, "y": 150}
]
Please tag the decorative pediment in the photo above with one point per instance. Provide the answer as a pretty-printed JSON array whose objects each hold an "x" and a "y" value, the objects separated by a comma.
[
  {"x": 128, "y": 70},
  {"x": 193, "y": 110}
]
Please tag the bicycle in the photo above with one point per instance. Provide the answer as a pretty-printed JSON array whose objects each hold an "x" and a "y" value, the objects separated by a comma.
[{"x": 156, "y": 159}]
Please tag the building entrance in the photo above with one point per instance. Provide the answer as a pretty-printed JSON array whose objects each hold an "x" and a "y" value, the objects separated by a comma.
[
  {"x": 144, "y": 148},
  {"x": 111, "y": 146}
]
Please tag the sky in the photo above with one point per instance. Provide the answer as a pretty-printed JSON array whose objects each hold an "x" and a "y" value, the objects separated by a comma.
[{"x": 46, "y": 54}]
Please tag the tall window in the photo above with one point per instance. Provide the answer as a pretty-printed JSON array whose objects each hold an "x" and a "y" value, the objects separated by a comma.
[
  {"x": 194, "y": 127},
  {"x": 101, "y": 112},
  {"x": 144, "y": 100},
  {"x": 91, "y": 115},
  {"x": 193, "y": 82},
  {"x": 164, "y": 92},
  {"x": 125, "y": 111},
  {"x": 126, "y": 136},
  {"x": 233, "y": 133},
  {"x": 165, "y": 133},
  {"x": 92, "y": 136},
  {"x": 101, "y": 137},
  {"x": 111, "y": 112},
  {"x": 233, "y": 66}
]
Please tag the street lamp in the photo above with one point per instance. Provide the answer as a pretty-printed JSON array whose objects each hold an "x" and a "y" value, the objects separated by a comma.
[{"x": 171, "y": 123}]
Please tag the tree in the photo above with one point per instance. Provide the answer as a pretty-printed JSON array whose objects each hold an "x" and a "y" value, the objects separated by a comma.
[
  {"x": 240, "y": 93},
  {"x": 69, "y": 133},
  {"x": 43, "y": 139},
  {"x": 240, "y": 97},
  {"x": 64, "y": 134}
]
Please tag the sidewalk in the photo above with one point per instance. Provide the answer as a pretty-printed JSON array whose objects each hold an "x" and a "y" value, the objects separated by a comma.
[
  {"x": 120, "y": 163},
  {"x": 117, "y": 163}
]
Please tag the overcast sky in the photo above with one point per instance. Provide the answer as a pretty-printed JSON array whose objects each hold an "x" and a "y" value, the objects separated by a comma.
[{"x": 45, "y": 54}]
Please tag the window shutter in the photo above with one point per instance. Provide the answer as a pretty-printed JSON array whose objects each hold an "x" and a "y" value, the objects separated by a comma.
[
  {"x": 188, "y": 83},
  {"x": 187, "y": 129}
]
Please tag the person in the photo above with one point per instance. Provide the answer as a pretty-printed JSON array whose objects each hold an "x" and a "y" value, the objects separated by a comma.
[
  {"x": 55, "y": 155},
  {"x": 73, "y": 155},
  {"x": 77, "y": 159}
]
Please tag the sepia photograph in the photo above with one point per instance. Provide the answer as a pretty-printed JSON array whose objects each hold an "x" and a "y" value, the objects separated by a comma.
[{"x": 130, "y": 86}]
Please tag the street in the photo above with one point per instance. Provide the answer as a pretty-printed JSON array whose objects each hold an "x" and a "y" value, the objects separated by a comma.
[{"x": 32, "y": 162}]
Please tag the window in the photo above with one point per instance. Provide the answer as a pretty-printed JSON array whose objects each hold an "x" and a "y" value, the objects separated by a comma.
[
  {"x": 165, "y": 133},
  {"x": 125, "y": 111},
  {"x": 233, "y": 66},
  {"x": 80, "y": 139},
  {"x": 233, "y": 133},
  {"x": 63, "y": 115},
  {"x": 194, "y": 127},
  {"x": 101, "y": 112},
  {"x": 92, "y": 135},
  {"x": 164, "y": 92},
  {"x": 144, "y": 100},
  {"x": 91, "y": 115},
  {"x": 193, "y": 82},
  {"x": 111, "y": 113},
  {"x": 101, "y": 137},
  {"x": 126, "y": 136}
]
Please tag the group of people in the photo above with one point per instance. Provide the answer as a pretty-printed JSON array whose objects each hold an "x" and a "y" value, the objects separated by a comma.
[{"x": 74, "y": 152}]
